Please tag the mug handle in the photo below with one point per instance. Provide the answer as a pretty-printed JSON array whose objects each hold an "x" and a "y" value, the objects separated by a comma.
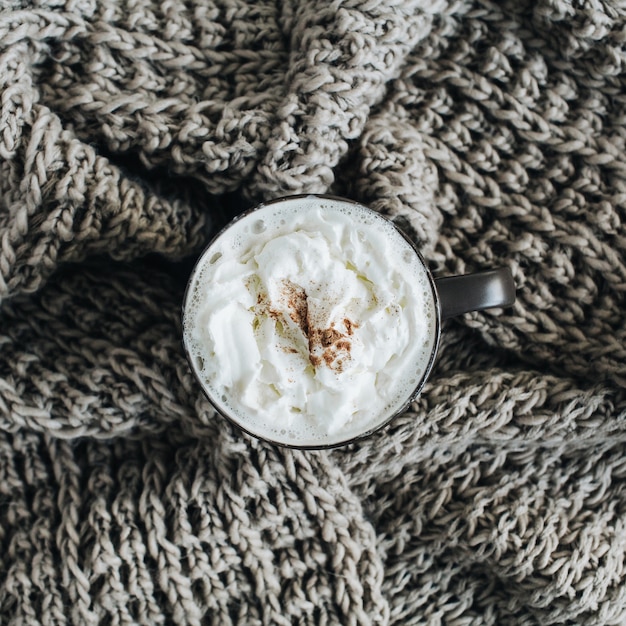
[{"x": 475, "y": 292}]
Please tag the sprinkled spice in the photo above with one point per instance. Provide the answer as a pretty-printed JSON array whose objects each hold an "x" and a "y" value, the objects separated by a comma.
[{"x": 326, "y": 346}]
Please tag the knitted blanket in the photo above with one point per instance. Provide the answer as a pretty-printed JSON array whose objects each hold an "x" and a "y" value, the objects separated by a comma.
[{"x": 493, "y": 133}]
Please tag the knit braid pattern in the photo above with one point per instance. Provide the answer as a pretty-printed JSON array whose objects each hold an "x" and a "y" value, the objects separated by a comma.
[{"x": 493, "y": 134}]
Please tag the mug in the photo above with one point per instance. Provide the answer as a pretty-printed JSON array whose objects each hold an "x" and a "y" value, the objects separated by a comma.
[{"x": 310, "y": 321}]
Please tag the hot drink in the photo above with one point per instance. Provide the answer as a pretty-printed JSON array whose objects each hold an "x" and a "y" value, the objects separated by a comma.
[{"x": 310, "y": 321}]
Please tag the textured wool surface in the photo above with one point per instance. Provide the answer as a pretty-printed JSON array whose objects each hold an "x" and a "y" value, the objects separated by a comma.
[{"x": 494, "y": 133}]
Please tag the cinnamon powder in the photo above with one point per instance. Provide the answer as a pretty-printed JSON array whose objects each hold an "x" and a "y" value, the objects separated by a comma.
[{"x": 328, "y": 346}]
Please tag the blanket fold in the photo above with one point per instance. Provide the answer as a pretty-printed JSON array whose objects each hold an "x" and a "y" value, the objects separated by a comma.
[{"x": 493, "y": 134}]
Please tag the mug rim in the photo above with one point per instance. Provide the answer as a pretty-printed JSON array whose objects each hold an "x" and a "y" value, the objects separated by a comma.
[{"x": 418, "y": 387}]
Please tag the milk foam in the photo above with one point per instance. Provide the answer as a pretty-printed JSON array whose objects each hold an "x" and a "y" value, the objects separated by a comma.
[{"x": 310, "y": 321}]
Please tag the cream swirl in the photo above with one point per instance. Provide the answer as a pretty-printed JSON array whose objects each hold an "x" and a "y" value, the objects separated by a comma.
[{"x": 310, "y": 320}]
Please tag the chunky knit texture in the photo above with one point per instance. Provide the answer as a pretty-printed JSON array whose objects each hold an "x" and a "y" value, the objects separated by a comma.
[{"x": 495, "y": 134}]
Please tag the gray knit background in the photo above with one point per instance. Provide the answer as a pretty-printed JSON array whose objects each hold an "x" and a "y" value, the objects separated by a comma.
[{"x": 495, "y": 133}]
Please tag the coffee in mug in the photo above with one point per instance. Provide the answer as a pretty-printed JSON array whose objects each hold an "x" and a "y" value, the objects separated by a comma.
[{"x": 311, "y": 321}]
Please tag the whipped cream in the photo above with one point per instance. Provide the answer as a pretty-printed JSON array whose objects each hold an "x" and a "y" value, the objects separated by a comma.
[{"x": 310, "y": 321}]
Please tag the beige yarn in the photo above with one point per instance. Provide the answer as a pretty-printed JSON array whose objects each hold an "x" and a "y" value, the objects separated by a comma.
[{"x": 493, "y": 133}]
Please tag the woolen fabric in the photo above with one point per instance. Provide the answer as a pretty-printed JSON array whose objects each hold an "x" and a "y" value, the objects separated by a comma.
[{"x": 494, "y": 134}]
